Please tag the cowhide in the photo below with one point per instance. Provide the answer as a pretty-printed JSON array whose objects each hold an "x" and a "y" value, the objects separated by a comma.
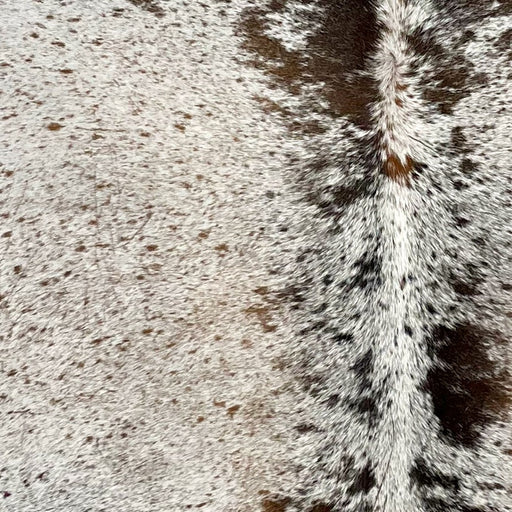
[{"x": 255, "y": 256}]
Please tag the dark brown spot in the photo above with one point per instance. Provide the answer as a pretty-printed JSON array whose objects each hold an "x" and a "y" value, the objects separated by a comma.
[
  {"x": 367, "y": 406},
  {"x": 363, "y": 369},
  {"x": 304, "y": 428},
  {"x": 504, "y": 43},
  {"x": 54, "y": 126},
  {"x": 368, "y": 271},
  {"x": 149, "y": 6},
  {"x": 363, "y": 482},
  {"x": 468, "y": 388},
  {"x": 322, "y": 507},
  {"x": 425, "y": 476},
  {"x": 459, "y": 140},
  {"x": 151, "y": 247},
  {"x": 333, "y": 200},
  {"x": 232, "y": 410},
  {"x": 468, "y": 167},
  {"x": 275, "y": 505},
  {"x": 468, "y": 285},
  {"x": 451, "y": 73}
]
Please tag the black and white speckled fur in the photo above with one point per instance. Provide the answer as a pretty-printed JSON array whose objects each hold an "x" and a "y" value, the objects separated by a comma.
[{"x": 402, "y": 294}]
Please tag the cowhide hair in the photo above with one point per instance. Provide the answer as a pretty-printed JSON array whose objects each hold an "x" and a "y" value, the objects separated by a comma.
[
  {"x": 402, "y": 291},
  {"x": 256, "y": 256}
]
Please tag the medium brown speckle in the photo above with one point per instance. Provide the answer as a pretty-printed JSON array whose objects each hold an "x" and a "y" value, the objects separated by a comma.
[
  {"x": 53, "y": 127},
  {"x": 232, "y": 410}
]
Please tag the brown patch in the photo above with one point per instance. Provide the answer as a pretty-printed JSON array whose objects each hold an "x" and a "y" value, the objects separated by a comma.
[
  {"x": 53, "y": 127},
  {"x": 424, "y": 475},
  {"x": 261, "y": 290},
  {"x": 222, "y": 248},
  {"x": 149, "y": 6},
  {"x": 343, "y": 36},
  {"x": 305, "y": 428},
  {"x": 278, "y": 505},
  {"x": 232, "y": 410},
  {"x": 264, "y": 315},
  {"x": 397, "y": 170},
  {"x": 322, "y": 507},
  {"x": 451, "y": 76}
]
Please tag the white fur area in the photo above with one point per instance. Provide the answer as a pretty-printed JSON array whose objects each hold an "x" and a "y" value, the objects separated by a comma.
[
  {"x": 138, "y": 363},
  {"x": 398, "y": 113}
]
